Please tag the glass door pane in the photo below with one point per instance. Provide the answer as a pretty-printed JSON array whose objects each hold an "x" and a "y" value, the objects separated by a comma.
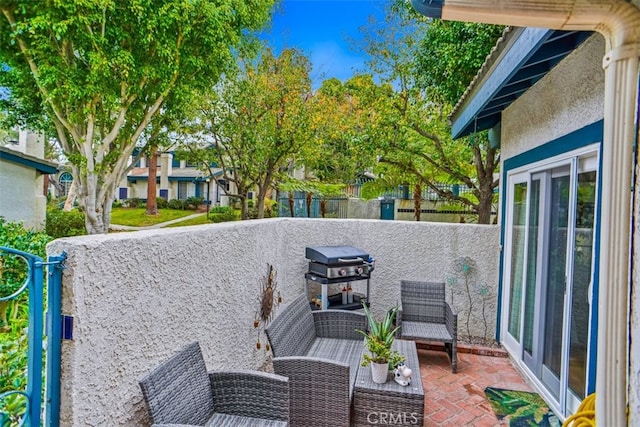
[
  {"x": 582, "y": 274},
  {"x": 518, "y": 231},
  {"x": 555, "y": 284},
  {"x": 530, "y": 328}
]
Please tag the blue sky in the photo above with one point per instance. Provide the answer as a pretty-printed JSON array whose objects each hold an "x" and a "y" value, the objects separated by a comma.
[{"x": 321, "y": 28}]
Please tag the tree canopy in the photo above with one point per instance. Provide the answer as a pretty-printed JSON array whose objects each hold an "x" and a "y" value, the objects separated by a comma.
[
  {"x": 256, "y": 121},
  {"x": 422, "y": 70},
  {"x": 98, "y": 71}
]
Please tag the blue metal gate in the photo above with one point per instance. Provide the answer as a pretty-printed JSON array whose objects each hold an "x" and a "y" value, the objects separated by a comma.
[{"x": 34, "y": 413}]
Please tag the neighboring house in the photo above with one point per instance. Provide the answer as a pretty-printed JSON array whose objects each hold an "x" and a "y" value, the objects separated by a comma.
[
  {"x": 567, "y": 307},
  {"x": 23, "y": 187},
  {"x": 176, "y": 179}
]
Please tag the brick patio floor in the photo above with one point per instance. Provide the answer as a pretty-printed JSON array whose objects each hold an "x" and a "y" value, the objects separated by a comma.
[{"x": 458, "y": 399}]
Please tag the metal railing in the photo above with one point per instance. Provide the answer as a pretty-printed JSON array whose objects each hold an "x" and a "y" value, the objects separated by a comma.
[{"x": 35, "y": 413}]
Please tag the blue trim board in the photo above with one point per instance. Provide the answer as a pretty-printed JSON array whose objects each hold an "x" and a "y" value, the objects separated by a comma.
[
  {"x": 587, "y": 135},
  {"x": 43, "y": 166},
  {"x": 429, "y": 8},
  {"x": 580, "y": 138}
]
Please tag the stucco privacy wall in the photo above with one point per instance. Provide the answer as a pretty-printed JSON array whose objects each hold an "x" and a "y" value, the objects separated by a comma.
[
  {"x": 137, "y": 297},
  {"x": 568, "y": 98}
]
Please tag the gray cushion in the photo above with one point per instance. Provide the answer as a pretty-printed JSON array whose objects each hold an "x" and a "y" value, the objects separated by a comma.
[
  {"x": 224, "y": 420},
  {"x": 430, "y": 331}
]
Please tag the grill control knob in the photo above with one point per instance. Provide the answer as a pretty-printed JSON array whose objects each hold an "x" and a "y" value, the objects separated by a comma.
[
  {"x": 359, "y": 270},
  {"x": 343, "y": 272}
]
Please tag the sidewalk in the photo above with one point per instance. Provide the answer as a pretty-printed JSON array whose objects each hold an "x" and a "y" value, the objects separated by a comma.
[{"x": 118, "y": 227}]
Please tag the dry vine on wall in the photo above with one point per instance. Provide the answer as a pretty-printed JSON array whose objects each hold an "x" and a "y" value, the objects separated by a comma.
[{"x": 268, "y": 299}]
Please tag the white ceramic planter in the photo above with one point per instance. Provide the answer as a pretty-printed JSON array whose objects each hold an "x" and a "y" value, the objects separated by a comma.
[{"x": 379, "y": 372}]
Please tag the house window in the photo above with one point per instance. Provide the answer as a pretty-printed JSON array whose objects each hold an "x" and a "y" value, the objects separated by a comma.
[
  {"x": 548, "y": 272},
  {"x": 182, "y": 190},
  {"x": 66, "y": 179}
]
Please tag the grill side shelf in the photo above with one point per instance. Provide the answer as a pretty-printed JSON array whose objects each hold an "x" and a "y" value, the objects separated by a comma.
[{"x": 357, "y": 298}]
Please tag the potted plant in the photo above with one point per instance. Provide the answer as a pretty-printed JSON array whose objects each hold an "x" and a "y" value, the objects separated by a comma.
[{"x": 378, "y": 341}]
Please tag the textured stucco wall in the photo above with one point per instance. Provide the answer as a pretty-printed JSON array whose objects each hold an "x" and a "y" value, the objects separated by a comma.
[
  {"x": 21, "y": 197},
  {"x": 568, "y": 98},
  {"x": 137, "y": 297}
]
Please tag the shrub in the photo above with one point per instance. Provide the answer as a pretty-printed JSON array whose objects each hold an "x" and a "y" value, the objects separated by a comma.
[
  {"x": 161, "y": 202},
  {"x": 116, "y": 204},
  {"x": 221, "y": 209},
  {"x": 65, "y": 224},
  {"x": 14, "y": 313},
  {"x": 133, "y": 202},
  {"x": 223, "y": 214},
  {"x": 176, "y": 204},
  {"x": 13, "y": 269},
  {"x": 193, "y": 202}
]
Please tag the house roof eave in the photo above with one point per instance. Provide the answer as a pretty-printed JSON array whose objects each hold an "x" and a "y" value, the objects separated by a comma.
[
  {"x": 520, "y": 58},
  {"x": 43, "y": 166}
]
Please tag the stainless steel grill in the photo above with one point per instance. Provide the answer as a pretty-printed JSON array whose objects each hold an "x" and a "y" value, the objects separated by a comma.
[
  {"x": 330, "y": 265},
  {"x": 338, "y": 262}
]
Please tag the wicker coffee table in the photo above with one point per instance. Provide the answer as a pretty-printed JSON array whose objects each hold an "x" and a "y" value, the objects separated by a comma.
[{"x": 390, "y": 403}]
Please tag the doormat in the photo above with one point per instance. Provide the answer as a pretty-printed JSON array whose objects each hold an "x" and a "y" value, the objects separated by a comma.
[{"x": 521, "y": 408}]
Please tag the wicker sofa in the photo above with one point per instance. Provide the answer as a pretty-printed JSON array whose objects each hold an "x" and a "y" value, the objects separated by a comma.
[{"x": 320, "y": 352}]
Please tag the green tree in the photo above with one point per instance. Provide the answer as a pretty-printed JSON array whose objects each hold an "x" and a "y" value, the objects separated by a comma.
[
  {"x": 99, "y": 70},
  {"x": 258, "y": 121},
  {"x": 340, "y": 121},
  {"x": 450, "y": 55},
  {"x": 411, "y": 130}
]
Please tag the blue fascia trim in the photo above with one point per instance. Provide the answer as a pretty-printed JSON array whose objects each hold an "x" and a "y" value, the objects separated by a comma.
[
  {"x": 526, "y": 44},
  {"x": 20, "y": 159},
  {"x": 580, "y": 138},
  {"x": 430, "y": 8},
  {"x": 587, "y": 135}
]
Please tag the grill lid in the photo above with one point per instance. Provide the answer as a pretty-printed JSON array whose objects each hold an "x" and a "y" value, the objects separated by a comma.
[{"x": 335, "y": 254}]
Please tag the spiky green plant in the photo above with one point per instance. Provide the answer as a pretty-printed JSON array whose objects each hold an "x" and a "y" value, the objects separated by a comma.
[{"x": 379, "y": 339}]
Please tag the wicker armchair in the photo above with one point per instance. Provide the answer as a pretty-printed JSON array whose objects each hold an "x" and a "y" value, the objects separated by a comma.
[
  {"x": 425, "y": 315},
  {"x": 181, "y": 392}
]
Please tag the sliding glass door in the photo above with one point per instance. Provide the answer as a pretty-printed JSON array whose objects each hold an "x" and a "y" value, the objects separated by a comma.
[{"x": 548, "y": 273}]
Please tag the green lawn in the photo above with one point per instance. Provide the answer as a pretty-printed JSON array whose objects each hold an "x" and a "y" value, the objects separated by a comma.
[
  {"x": 193, "y": 221},
  {"x": 136, "y": 217}
]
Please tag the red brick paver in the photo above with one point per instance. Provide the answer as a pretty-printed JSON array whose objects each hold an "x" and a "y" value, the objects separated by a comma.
[{"x": 458, "y": 399}]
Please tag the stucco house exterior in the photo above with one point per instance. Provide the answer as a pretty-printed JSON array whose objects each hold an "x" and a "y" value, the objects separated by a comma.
[
  {"x": 23, "y": 187},
  {"x": 563, "y": 107}
]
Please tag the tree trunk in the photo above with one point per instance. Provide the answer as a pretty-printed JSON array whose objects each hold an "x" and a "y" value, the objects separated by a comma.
[
  {"x": 485, "y": 203},
  {"x": 71, "y": 196},
  {"x": 417, "y": 201},
  {"x": 244, "y": 212},
  {"x": 152, "y": 203},
  {"x": 323, "y": 208},
  {"x": 291, "y": 204},
  {"x": 309, "y": 201}
]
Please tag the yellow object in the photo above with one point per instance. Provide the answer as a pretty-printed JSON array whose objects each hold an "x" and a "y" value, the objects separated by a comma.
[{"x": 585, "y": 416}]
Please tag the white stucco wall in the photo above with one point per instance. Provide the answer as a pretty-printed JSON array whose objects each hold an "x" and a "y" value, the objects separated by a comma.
[
  {"x": 21, "y": 198},
  {"x": 568, "y": 98},
  {"x": 137, "y": 297}
]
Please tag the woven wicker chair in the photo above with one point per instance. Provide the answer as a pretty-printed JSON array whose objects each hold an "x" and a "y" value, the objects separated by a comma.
[
  {"x": 426, "y": 315},
  {"x": 181, "y": 392},
  {"x": 320, "y": 352}
]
